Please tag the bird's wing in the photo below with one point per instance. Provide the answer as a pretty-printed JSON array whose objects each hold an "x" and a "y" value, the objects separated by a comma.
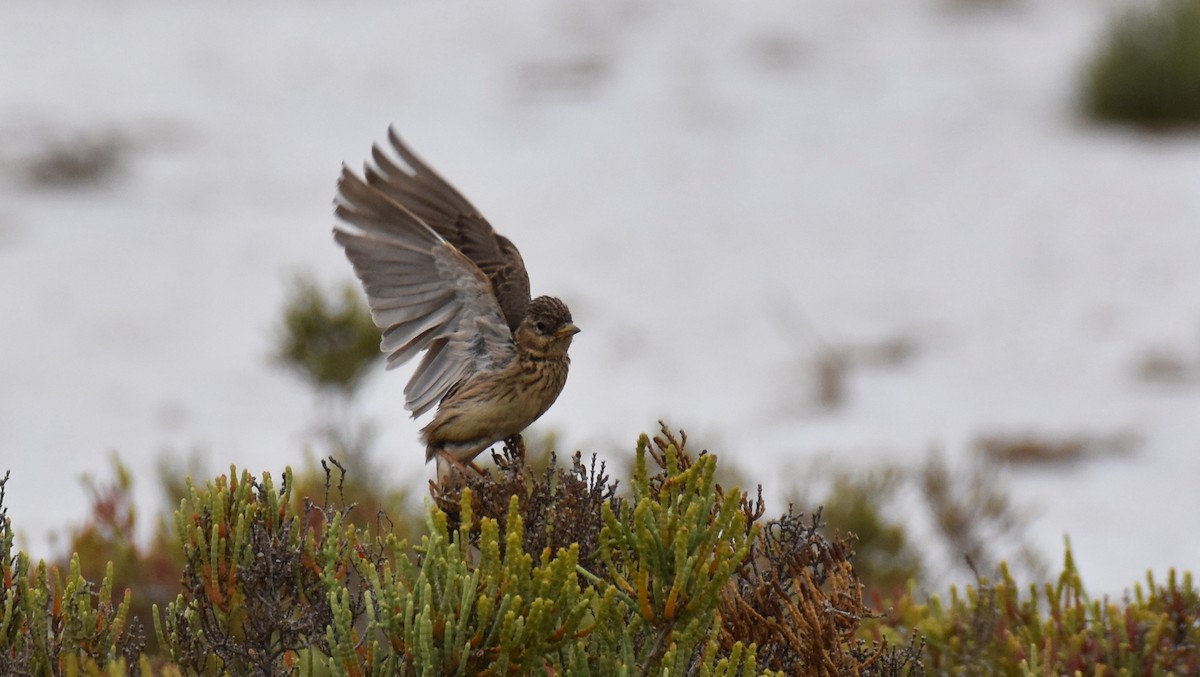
[
  {"x": 423, "y": 293},
  {"x": 434, "y": 201}
]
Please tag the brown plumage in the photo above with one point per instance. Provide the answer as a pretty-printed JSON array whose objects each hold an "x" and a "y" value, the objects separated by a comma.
[{"x": 439, "y": 279}]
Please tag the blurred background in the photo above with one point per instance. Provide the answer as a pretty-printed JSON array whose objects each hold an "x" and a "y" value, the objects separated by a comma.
[{"x": 825, "y": 239}]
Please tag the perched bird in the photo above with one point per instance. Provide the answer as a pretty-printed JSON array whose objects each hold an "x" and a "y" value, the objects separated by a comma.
[{"x": 439, "y": 279}]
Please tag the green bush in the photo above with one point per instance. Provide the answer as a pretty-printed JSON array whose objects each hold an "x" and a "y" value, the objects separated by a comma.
[
  {"x": 555, "y": 572},
  {"x": 257, "y": 577},
  {"x": 1055, "y": 628},
  {"x": 51, "y": 626},
  {"x": 1147, "y": 71},
  {"x": 261, "y": 580},
  {"x": 328, "y": 338},
  {"x": 973, "y": 523},
  {"x": 462, "y": 609},
  {"x": 683, "y": 578}
]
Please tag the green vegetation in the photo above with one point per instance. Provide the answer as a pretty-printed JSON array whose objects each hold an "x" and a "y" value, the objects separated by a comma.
[
  {"x": 555, "y": 572},
  {"x": 52, "y": 625},
  {"x": 255, "y": 585},
  {"x": 1147, "y": 71},
  {"x": 970, "y": 523},
  {"x": 1055, "y": 628},
  {"x": 328, "y": 339}
]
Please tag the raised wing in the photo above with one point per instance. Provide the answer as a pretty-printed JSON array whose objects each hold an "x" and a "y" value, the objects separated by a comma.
[
  {"x": 435, "y": 202},
  {"x": 423, "y": 292}
]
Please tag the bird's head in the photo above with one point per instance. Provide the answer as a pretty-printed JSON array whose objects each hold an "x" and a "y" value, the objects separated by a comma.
[{"x": 547, "y": 329}]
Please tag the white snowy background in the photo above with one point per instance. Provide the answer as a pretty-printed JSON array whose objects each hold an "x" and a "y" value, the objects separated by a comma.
[{"x": 719, "y": 190}]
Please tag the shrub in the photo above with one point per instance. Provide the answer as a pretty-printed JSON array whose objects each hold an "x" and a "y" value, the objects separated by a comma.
[
  {"x": 477, "y": 602},
  {"x": 461, "y": 609},
  {"x": 329, "y": 340},
  {"x": 50, "y": 625},
  {"x": 553, "y": 571},
  {"x": 106, "y": 546},
  {"x": 257, "y": 578},
  {"x": 859, "y": 504},
  {"x": 1147, "y": 71},
  {"x": 790, "y": 596},
  {"x": 993, "y": 629},
  {"x": 973, "y": 524}
]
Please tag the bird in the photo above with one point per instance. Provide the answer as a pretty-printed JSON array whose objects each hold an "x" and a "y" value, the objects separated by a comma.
[{"x": 440, "y": 280}]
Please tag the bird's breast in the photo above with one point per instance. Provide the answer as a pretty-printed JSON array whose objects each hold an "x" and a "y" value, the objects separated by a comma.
[{"x": 501, "y": 403}]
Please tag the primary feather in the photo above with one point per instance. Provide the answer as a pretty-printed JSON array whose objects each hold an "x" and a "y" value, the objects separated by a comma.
[{"x": 424, "y": 292}]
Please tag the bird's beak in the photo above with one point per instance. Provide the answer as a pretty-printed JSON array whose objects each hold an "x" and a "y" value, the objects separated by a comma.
[{"x": 567, "y": 330}]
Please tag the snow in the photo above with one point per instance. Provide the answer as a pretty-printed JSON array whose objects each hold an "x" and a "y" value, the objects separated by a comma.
[{"x": 718, "y": 191}]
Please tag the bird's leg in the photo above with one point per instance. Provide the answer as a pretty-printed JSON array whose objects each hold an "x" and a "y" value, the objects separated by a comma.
[
  {"x": 473, "y": 466},
  {"x": 452, "y": 478},
  {"x": 447, "y": 465}
]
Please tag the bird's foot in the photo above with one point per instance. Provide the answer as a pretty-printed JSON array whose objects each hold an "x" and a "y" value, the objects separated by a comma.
[
  {"x": 511, "y": 454},
  {"x": 451, "y": 471}
]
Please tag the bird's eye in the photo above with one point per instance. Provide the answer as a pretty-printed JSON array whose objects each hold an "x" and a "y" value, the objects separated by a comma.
[{"x": 542, "y": 326}]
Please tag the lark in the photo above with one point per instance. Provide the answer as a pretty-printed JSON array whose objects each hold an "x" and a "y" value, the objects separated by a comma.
[{"x": 441, "y": 281}]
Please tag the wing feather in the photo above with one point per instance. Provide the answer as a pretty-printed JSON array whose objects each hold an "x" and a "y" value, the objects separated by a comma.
[
  {"x": 426, "y": 390},
  {"x": 423, "y": 292},
  {"x": 394, "y": 296},
  {"x": 433, "y": 201}
]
